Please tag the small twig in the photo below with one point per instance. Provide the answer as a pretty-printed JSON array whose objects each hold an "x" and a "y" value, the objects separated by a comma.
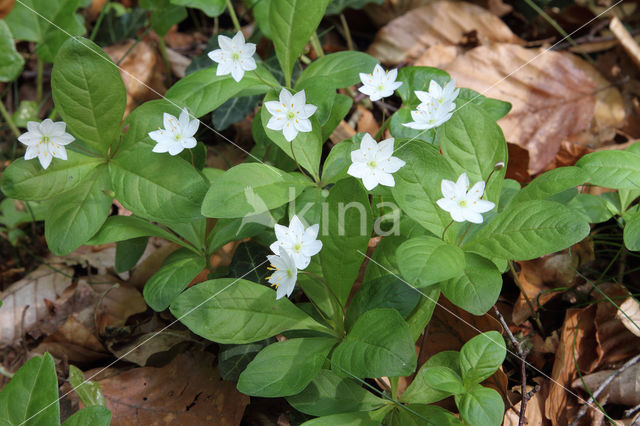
[
  {"x": 633, "y": 361},
  {"x": 523, "y": 371},
  {"x": 534, "y": 312},
  {"x": 5, "y": 372},
  {"x": 631, "y": 411}
]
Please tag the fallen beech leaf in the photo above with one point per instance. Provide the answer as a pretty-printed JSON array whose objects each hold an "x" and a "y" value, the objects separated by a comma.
[
  {"x": 342, "y": 132},
  {"x": 23, "y": 303},
  {"x": 534, "y": 413},
  {"x": 140, "y": 349},
  {"x": 624, "y": 389},
  {"x": 74, "y": 342},
  {"x": 578, "y": 328},
  {"x": 555, "y": 97},
  {"x": 568, "y": 155},
  {"x": 187, "y": 391},
  {"x": 518, "y": 165},
  {"x": 150, "y": 265},
  {"x": 101, "y": 258},
  {"x": 439, "y": 23},
  {"x": 366, "y": 122},
  {"x": 615, "y": 340},
  {"x": 142, "y": 71},
  {"x": 631, "y": 320},
  {"x": 380, "y": 14},
  {"x": 5, "y": 7},
  {"x": 178, "y": 63},
  {"x": 118, "y": 302}
]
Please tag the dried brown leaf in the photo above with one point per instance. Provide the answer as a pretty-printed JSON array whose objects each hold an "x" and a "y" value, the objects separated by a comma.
[
  {"x": 440, "y": 23},
  {"x": 5, "y": 7},
  {"x": 631, "y": 320},
  {"x": 624, "y": 389}
]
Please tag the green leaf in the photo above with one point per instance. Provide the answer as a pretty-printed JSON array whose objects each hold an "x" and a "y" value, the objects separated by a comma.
[
  {"x": 632, "y": 231},
  {"x": 203, "y": 91},
  {"x": 419, "y": 391},
  {"x": 164, "y": 15},
  {"x": 144, "y": 119},
  {"x": 444, "y": 379},
  {"x": 358, "y": 418},
  {"x": 75, "y": 216},
  {"x": 481, "y": 407},
  {"x": 285, "y": 368},
  {"x": 322, "y": 95},
  {"x": 550, "y": 183},
  {"x": 129, "y": 252},
  {"x": 481, "y": 356},
  {"x": 177, "y": 271},
  {"x": 194, "y": 231},
  {"x": 307, "y": 146},
  {"x": 477, "y": 288},
  {"x": 120, "y": 228},
  {"x": 398, "y": 130},
  {"x": 142, "y": 184},
  {"x": 329, "y": 393},
  {"x": 529, "y": 230},
  {"x": 473, "y": 143},
  {"x": 32, "y": 394},
  {"x": 11, "y": 62},
  {"x": 337, "y": 70},
  {"x": 418, "y": 78},
  {"x": 337, "y": 6},
  {"x": 27, "y": 111},
  {"x": 339, "y": 159},
  {"x": 250, "y": 189},
  {"x": 89, "y": 392},
  {"x": 117, "y": 26},
  {"x": 27, "y": 180},
  {"x": 379, "y": 344},
  {"x": 233, "y": 111},
  {"x": 428, "y": 260},
  {"x": 89, "y": 93},
  {"x": 434, "y": 415},
  {"x": 341, "y": 106},
  {"x": 292, "y": 22},
  {"x": 421, "y": 315},
  {"x": 383, "y": 292},
  {"x": 417, "y": 191},
  {"x": 345, "y": 240},
  {"x": 233, "y": 359},
  {"x": 237, "y": 311},
  {"x": 227, "y": 230},
  {"x": 54, "y": 23},
  {"x": 383, "y": 259},
  {"x": 612, "y": 169},
  {"x": 94, "y": 416},
  {"x": 494, "y": 108},
  {"x": 594, "y": 208},
  {"x": 211, "y": 8}
]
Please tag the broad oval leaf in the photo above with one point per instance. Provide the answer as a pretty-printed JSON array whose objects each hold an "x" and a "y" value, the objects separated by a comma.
[
  {"x": 76, "y": 215},
  {"x": 329, "y": 393},
  {"x": 481, "y": 356},
  {"x": 379, "y": 344},
  {"x": 550, "y": 183},
  {"x": 612, "y": 169},
  {"x": 285, "y": 368},
  {"x": 11, "y": 62},
  {"x": 338, "y": 70},
  {"x": 172, "y": 278},
  {"x": 27, "y": 180},
  {"x": 250, "y": 189},
  {"x": 419, "y": 391},
  {"x": 338, "y": 161},
  {"x": 443, "y": 379},
  {"x": 428, "y": 260},
  {"x": 142, "y": 184},
  {"x": 418, "y": 78},
  {"x": 120, "y": 228},
  {"x": 528, "y": 230},
  {"x": 477, "y": 287},
  {"x": 32, "y": 394},
  {"x": 291, "y": 23},
  {"x": 481, "y": 406},
  {"x": 89, "y": 93},
  {"x": 632, "y": 231},
  {"x": 96, "y": 415},
  {"x": 233, "y": 310}
]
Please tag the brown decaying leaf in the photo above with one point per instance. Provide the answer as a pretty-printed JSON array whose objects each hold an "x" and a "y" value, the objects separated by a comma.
[
  {"x": 631, "y": 320},
  {"x": 615, "y": 341},
  {"x": 381, "y": 14},
  {"x": 117, "y": 304},
  {"x": 23, "y": 304},
  {"x": 624, "y": 389},
  {"x": 439, "y": 23},
  {"x": 518, "y": 165},
  {"x": 142, "y": 71},
  {"x": 366, "y": 121},
  {"x": 5, "y": 7},
  {"x": 187, "y": 391},
  {"x": 534, "y": 414}
]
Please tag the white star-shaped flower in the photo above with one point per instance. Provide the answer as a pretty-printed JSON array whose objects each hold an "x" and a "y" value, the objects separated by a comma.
[
  {"x": 290, "y": 114},
  {"x": 284, "y": 274},
  {"x": 374, "y": 163},
  {"x": 462, "y": 203},
  {"x": 234, "y": 56},
  {"x": 380, "y": 83},
  {"x": 176, "y": 135},
  {"x": 46, "y": 140},
  {"x": 436, "y": 106},
  {"x": 299, "y": 242}
]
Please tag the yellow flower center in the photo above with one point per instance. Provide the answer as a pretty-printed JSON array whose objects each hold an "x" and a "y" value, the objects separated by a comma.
[
  {"x": 45, "y": 139},
  {"x": 297, "y": 247},
  {"x": 291, "y": 115},
  {"x": 372, "y": 164},
  {"x": 235, "y": 56},
  {"x": 462, "y": 203}
]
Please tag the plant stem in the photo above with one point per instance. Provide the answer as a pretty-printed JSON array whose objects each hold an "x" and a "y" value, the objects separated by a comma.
[
  {"x": 294, "y": 157},
  {"x": 445, "y": 229},
  {"x": 263, "y": 80},
  {"x": 96, "y": 27},
  {"x": 347, "y": 33},
  {"x": 234, "y": 17},
  {"x": 384, "y": 111},
  {"x": 165, "y": 59},
  {"x": 40, "y": 69},
  {"x": 382, "y": 128},
  {"x": 317, "y": 46},
  {"x": 8, "y": 119}
]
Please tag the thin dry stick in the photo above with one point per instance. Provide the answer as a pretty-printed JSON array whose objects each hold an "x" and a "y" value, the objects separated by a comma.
[
  {"x": 633, "y": 361},
  {"x": 534, "y": 311},
  {"x": 523, "y": 370}
]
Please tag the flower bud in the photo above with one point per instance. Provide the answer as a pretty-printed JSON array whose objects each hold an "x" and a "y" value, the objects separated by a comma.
[{"x": 499, "y": 165}]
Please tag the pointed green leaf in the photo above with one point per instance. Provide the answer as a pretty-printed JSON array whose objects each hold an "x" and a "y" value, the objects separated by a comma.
[
  {"x": 94, "y": 416},
  {"x": 338, "y": 70},
  {"x": 612, "y": 169},
  {"x": 481, "y": 356},
  {"x": 481, "y": 407},
  {"x": 11, "y": 62},
  {"x": 428, "y": 260}
]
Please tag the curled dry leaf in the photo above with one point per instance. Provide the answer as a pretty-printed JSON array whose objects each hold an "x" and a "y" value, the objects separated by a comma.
[
  {"x": 142, "y": 71},
  {"x": 534, "y": 414},
  {"x": 117, "y": 302},
  {"x": 624, "y": 389},
  {"x": 187, "y": 391},
  {"x": 24, "y": 304},
  {"x": 615, "y": 341},
  {"x": 437, "y": 24},
  {"x": 631, "y": 320},
  {"x": 380, "y": 14}
]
